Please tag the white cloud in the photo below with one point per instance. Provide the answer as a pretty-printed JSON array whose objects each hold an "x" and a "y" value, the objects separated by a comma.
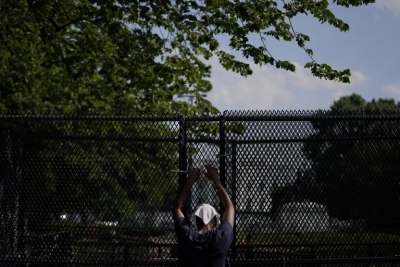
[
  {"x": 260, "y": 91},
  {"x": 392, "y": 91},
  {"x": 305, "y": 80},
  {"x": 274, "y": 89},
  {"x": 376, "y": 16},
  {"x": 391, "y": 5}
]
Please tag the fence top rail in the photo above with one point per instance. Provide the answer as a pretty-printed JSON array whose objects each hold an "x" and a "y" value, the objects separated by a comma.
[
  {"x": 309, "y": 115},
  {"x": 88, "y": 117},
  {"x": 225, "y": 116}
]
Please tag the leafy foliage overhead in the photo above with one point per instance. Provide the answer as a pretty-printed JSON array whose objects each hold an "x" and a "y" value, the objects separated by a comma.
[{"x": 138, "y": 55}]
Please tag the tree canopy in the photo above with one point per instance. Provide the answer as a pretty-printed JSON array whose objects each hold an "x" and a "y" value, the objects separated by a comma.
[
  {"x": 139, "y": 55},
  {"x": 354, "y": 165}
]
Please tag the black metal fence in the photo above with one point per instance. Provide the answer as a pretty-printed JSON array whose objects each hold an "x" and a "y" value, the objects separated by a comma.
[{"x": 310, "y": 188}]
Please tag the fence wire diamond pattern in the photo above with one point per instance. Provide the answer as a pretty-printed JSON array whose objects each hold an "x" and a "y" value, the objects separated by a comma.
[{"x": 310, "y": 188}]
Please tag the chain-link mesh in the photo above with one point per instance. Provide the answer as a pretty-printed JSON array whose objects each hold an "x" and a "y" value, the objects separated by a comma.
[{"x": 310, "y": 188}]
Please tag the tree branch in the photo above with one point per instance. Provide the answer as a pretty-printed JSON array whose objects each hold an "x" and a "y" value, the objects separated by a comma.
[
  {"x": 59, "y": 28},
  {"x": 295, "y": 36}
]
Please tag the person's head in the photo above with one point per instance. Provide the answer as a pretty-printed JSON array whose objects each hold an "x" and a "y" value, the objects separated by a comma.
[{"x": 205, "y": 214}]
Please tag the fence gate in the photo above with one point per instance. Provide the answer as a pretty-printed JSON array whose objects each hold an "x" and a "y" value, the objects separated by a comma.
[{"x": 310, "y": 188}]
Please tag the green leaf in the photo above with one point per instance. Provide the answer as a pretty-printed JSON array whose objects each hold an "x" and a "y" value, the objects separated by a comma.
[{"x": 136, "y": 55}]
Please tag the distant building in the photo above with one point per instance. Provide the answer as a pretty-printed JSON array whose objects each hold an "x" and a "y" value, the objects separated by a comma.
[{"x": 255, "y": 182}]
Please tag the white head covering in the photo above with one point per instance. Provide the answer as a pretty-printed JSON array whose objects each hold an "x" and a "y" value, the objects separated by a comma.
[{"x": 206, "y": 213}]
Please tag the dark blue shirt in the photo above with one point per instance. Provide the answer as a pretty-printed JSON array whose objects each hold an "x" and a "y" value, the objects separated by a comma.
[{"x": 208, "y": 250}]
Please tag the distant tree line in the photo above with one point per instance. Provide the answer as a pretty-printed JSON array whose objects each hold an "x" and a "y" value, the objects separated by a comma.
[{"x": 356, "y": 179}]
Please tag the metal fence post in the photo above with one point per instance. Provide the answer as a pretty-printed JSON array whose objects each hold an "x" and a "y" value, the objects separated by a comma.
[
  {"x": 222, "y": 150},
  {"x": 9, "y": 198},
  {"x": 234, "y": 174},
  {"x": 182, "y": 157}
]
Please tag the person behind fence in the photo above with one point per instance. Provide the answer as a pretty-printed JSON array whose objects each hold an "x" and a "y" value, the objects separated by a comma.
[{"x": 208, "y": 246}]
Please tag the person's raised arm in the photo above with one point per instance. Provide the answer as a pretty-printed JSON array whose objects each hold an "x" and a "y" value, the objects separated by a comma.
[
  {"x": 193, "y": 176},
  {"x": 229, "y": 212}
]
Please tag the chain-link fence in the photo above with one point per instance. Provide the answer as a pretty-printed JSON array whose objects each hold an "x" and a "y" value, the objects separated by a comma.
[{"x": 310, "y": 188}]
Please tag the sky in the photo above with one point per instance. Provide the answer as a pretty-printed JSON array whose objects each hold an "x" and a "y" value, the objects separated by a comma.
[{"x": 370, "y": 49}]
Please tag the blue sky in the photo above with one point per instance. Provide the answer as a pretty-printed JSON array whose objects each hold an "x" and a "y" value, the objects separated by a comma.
[{"x": 370, "y": 49}]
